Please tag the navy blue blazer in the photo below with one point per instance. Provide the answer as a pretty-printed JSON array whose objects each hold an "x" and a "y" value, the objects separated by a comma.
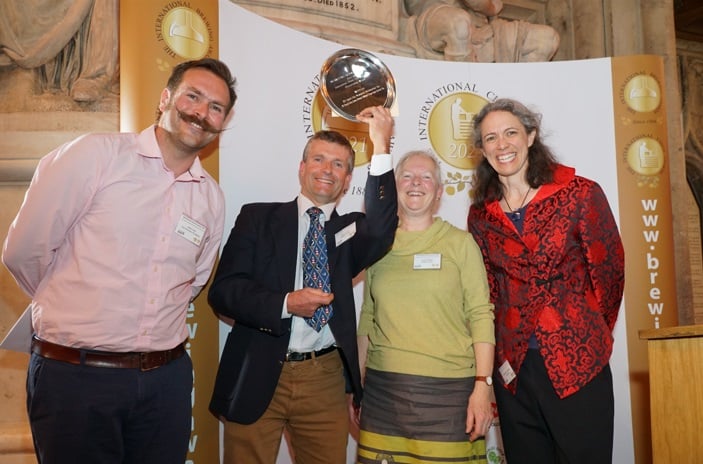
[{"x": 256, "y": 271}]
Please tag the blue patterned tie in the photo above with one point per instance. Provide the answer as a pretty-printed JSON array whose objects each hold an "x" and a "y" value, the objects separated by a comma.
[{"x": 316, "y": 271}]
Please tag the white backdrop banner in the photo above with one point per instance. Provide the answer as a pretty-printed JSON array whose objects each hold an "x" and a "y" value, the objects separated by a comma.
[{"x": 279, "y": 108}]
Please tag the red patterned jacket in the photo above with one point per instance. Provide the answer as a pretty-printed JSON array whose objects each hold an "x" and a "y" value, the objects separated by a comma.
[{"x": 562, "y": 280}]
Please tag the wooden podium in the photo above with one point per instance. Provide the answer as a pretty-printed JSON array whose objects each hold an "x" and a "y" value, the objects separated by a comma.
[{"x": 676, "y": 392}]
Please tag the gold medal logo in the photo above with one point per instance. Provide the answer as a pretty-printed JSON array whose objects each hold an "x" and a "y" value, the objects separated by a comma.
[
  {"x": 642, "y": 93},
  {"x": 185, "y": 33},
  {"x": 450, "y": 129},
  {"x": 645, "y": 156}
]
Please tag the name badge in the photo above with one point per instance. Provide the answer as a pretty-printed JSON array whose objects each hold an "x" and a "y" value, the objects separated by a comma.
[
  {"x": 427, "y": 261},
  {"x": 345, "y": 234},
  {"x": 507, "y": 372},
  {"x": 191, "y": 230}
]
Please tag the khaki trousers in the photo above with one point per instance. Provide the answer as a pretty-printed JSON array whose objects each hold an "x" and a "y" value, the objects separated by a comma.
[{"x": 309, "y": 404}]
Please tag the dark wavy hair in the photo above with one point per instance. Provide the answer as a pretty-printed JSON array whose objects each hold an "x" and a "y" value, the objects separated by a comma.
[
  {"x": 541, "y": 162},
  {"x": 335, "y": 137}
]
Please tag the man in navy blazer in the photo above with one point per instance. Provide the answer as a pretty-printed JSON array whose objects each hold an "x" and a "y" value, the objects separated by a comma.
[{"x": 276, "y": 372}]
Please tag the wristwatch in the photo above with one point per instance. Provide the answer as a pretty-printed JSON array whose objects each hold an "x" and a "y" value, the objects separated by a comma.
[{"x": 485, "y": 378}]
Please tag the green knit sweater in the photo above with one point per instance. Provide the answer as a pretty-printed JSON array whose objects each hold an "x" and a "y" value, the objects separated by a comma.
[{"x": 425, "y": 321}]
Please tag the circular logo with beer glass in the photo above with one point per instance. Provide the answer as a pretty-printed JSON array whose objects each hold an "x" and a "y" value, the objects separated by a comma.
[
  {"x": 186, "y": 33},
  {"x": 642, "y": 93},
  {"x": 645, "y": 156},
  {"x": 450, "y": 129}
]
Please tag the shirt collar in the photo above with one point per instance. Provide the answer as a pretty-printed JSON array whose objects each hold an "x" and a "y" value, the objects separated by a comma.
[
  {"x": 304, "y": 203},
  {"x": 148, "y": 147}
]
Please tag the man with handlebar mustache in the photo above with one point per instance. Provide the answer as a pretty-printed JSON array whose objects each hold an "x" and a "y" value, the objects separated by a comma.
[{"x": 116, "y": 235}]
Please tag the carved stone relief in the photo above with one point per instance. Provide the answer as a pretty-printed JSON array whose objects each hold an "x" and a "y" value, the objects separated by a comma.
[
  {"x": 59, "y": 77},
  {"x": 458, "y": 30},
  {"x": 59, "y": 55},
  {"x": 472, "y": 30}
]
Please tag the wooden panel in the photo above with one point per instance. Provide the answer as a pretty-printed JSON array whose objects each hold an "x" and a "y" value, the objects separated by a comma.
[
  {"x": 676, "y": 388},
  {"x": 681, "y": 331}
]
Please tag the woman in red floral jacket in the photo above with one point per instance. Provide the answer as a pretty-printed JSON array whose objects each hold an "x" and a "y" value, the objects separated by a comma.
[{"x": 555, "y": 266}]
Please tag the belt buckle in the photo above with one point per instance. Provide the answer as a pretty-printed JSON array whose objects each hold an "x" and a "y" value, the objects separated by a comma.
[{"x": 295, "y": 356}]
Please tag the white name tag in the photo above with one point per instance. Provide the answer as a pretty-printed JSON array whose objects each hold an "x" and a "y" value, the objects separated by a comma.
[
  {"x": 191, "y": 230},
  {"x": 427, "y": 261},
  {"x": 507, "y": 372},
  {"x": 345, "y": 234}
]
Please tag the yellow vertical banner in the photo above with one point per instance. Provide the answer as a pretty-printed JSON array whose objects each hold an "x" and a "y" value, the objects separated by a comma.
[
  {"x": 155, "y": 36},
  {"x": 641, "y": 140}
]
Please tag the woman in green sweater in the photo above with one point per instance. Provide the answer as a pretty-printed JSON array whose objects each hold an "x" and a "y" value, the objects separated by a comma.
[{"x": 426, "y": 335}]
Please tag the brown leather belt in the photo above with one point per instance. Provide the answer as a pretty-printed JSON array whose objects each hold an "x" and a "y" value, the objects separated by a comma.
[
  {"x": 294, "y": 356},
  {"x": 143, "y": 361}
]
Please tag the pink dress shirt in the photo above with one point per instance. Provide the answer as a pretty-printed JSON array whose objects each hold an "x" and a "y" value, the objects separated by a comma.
[{"x": 99, "y": 245}]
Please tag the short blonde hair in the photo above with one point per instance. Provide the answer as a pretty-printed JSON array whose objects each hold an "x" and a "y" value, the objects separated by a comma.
[{"x": 436, "y": 172}]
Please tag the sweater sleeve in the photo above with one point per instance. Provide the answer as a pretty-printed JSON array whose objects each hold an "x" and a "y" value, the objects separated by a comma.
[
  {"x": 366, "y": 317},
  {"x": 477, "y": 301}
]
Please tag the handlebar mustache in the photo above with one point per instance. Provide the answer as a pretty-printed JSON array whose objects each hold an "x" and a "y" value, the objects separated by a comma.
[{"x": 207, "y": 127}]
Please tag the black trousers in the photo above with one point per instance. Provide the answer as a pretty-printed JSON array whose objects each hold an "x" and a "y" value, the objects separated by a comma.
[
  {"x": 80, "y": 414},
  {"x": 540, "y": 428}
]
